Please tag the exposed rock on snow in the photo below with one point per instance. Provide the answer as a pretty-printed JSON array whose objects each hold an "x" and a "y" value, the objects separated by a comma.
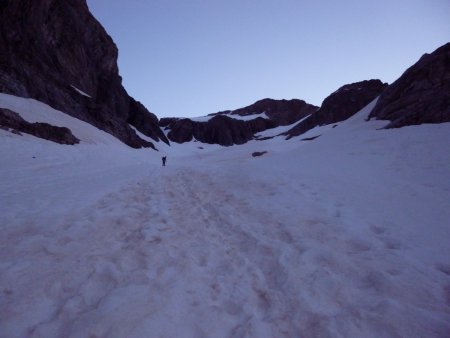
[
  {"x": 46, "y": 131},
  {"x": 50, "y": 47},
  {"x": 258, "y": 153},
  {"x": 310, "y": 138},
  {"x": 340, "y": 105},
  {"x": 420, "y": 95}
]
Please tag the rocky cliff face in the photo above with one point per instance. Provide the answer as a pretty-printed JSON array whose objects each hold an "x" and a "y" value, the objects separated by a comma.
[
  {"x": 220, "y": 129},
  {"x": 227, "y": 127},
  {"x": 340, "y": 105},
  {"x": 420, "y": 95},
  {"x": 56, "y": 52}
]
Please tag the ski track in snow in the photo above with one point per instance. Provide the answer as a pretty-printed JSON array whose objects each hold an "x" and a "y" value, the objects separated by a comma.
[{"x": 179, "y": 254}]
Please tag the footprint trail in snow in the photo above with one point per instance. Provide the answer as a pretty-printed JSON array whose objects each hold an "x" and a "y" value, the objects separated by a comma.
[{"x": 179, "y": 254}]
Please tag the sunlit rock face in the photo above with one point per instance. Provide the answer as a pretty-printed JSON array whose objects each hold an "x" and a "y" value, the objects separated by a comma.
[
  {"x": 58, "y": 53},
  {"x": 420, "y": 95},
  {"x": 340, "y": 105}
]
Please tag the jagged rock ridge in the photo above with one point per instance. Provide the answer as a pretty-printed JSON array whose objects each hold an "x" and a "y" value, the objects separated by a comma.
[
  {"x": 420, "y": 95},
  {"x": 57, "y": 52},
  {"x": 227, "y": 128},
  {"x": 282, "y": 112},
  {"x": 219, "y": 129},
  {"x": 340, "y": 105}
]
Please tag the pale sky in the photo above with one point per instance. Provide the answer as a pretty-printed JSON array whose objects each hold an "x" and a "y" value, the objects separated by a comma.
[{"x": 195, "y": 57}]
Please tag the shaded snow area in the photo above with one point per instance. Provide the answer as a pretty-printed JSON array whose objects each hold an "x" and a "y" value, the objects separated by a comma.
[
  {"x": 231, "y": 115},
  {"x": 79, "y": 91},
  {"x": 343, "y": 236},
  {"x": 248, "y": 117}
]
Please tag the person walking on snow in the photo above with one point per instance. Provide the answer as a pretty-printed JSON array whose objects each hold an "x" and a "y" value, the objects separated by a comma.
[{"x": 164, "y": 158}]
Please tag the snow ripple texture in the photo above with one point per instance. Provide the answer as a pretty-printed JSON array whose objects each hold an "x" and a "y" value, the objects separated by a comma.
[
  {"x": 343, "y": 236},
  {"x": 177, "y": 255}
]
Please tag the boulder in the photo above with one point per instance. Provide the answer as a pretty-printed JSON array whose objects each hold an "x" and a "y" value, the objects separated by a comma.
[{"x": 258, "y": 153}]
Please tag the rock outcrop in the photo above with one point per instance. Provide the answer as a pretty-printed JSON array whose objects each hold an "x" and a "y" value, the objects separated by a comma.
[
  {"x": 238, "y": 126},
  {"x": 62, "y": 135},
  {"x": 340, "y": 105},
  {"x": 420, "y": 95},
  {"x": 57, "y": 52},
  {"x": 282, "y": 112},
  {"x": 220, "y": 129}
]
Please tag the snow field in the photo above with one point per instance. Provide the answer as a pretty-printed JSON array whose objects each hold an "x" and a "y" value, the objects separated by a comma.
[{"x": 343, "y": 236}]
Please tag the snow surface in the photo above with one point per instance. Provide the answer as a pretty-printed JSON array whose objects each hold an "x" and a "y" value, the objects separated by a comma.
[
  {"x": 201, "y": 118},
  {"x": 248, "y": 117},
  {"x": 79, "y": 91},
  {"x": 343, "y": 236},
  {"x": 230, "y": 115},
  {"x": 279, "y": 130}
]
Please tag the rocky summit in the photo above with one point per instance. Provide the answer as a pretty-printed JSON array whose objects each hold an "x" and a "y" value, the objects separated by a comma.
[
  {"x": 58, "y": 53},
  {"x": 420, "y": 95},
  {"x": 220, "y": 129},
  {"x": 340, "y": 105},
  {"x": 238, "y": 126},
  {"x": 281, "y": 112}
]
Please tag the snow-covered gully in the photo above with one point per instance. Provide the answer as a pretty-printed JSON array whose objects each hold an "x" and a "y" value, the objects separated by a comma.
[
  {"x": 343, "y": 236},
  {"x": 178, "y": 254}
]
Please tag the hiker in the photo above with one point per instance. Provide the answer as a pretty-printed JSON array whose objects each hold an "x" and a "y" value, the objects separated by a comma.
[{"x": 164, "y": 158}]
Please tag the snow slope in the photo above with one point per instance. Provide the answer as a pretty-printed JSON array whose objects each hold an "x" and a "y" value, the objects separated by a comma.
[
  {"x": 230, "y": 115},
  {"x": 343, "y": 236}
]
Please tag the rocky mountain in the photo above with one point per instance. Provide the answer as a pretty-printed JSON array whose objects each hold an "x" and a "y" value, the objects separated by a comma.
[
  {"x": 420, "y": 95},
  {"x": 237, "y": 126},
  {"x": 340, "y": 105},
  {"x": 58, "y": 53},
  {"x": 281, "y": 112},
  {"x": 220, "y": 129}
]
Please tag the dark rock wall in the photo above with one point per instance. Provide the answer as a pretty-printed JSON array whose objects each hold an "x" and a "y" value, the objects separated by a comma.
[
  {"x": 46, "y": 46},
  {"x": 340, "y": 105},
  {"x": 219, "y": 129},
  {"x": 348, "y": 100},
  {"x": 225, "y": 130},
  {"x": 420, "y": 95}
]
